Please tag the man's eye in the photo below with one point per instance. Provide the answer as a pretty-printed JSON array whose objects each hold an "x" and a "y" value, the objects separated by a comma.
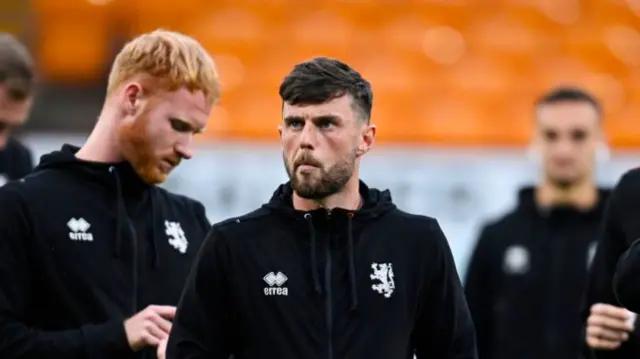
[
  {"x": 179, "y": 125},
  {"x": 296, "y": 124},
  {"x": 325, "y": 124}
]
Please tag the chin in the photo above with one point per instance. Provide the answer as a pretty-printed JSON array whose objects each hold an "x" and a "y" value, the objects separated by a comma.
[{"x": 153, "y": 176}]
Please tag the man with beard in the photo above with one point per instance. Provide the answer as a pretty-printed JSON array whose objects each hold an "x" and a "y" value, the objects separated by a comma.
[
  {"x": 329, "y": 268},
  {"x": 529, "y": 269},
  {"x": 16, "y": 95},
  {"x": 93, "y": 255}
]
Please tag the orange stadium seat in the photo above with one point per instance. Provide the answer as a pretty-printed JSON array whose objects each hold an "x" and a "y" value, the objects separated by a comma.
[
  {"x": 73, "y": 39},
  {"x": 452, "y": 72}
]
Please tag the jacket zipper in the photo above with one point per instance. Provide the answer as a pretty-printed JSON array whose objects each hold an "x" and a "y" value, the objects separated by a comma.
[
  {"x": 134, "y": 269},
  {"x": 327, "y": 283}
]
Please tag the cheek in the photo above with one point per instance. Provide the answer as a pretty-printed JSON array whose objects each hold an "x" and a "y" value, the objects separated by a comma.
[{"x": 289, "y": 145}]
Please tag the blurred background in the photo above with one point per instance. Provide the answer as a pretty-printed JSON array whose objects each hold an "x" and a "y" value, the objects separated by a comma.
[{"x": 454, "y": 86}]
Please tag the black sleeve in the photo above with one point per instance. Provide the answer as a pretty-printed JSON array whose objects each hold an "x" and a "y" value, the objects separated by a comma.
[
  {"x": 444, "y": 328},
  {"x": 625, "y": 281},
  {"x": 611, "y": 244},
  {"x": 18, "y": 340},
  {"x": 202, "y": 326},
  {"x": 480, "y": 292}
]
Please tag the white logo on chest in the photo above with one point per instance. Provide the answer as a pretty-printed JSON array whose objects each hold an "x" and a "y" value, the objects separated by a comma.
[
  {"x": 383, "y": 273},
  {"x": 177, "y": 239},
  {"x": 275, "y": 282},
  {"x": 516, "y": 260},
  {"x": 79, "y": 230}
]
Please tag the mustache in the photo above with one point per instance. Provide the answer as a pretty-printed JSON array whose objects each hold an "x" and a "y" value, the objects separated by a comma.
[
  {"x": 306, "y": 159},
  {"x": 173, "y": 160}
]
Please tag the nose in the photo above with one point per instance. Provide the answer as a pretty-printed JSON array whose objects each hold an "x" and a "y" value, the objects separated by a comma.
[
  {"x": 308, "y": 136},
  {"x": 185, "y": 148}
]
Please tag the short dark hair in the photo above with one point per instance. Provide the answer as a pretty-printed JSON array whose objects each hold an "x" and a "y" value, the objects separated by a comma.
[
  {"x": 568, "y": 94},
  {"x": 16, "y": 68},
  {"x": 322, "y": 79}
]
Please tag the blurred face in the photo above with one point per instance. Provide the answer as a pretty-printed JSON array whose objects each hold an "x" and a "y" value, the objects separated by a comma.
[
  {"x": 13, "y": 114},
  {"x": 322, "y": 144},
  {"x": 158, "y": 131},
  {"x": 568, "y": 135}
]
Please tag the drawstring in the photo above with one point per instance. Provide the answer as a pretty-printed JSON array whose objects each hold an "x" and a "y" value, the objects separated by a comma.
[
  {"x": 351, "y": 253},
  {"x": 314, "y": 260},
  {"x": 119, "y": 213},
  {"x": 155, "y": 260},
  {"x": 352, "y": 265}
]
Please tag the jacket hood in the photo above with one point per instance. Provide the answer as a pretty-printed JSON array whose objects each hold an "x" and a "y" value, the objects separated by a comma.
[
  {"x": 527, "y": 202},
  {"x": 105, "y": 173},
  {"x": 375, "y": 202},
  {"x": 120, "y": 178}
]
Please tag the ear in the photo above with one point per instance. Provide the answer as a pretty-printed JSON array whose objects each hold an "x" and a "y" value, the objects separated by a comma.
[
  {"x": 367, "y": 140},
  {"x": 132, "y": 96},
  {"x": 280, "y": 131}
]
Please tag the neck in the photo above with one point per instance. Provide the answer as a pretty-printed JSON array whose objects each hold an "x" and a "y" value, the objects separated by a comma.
[
  {"x": 102, "y": 144},
  {"x": 349, "y": 198},
  {"x": 582, "y": 195}
]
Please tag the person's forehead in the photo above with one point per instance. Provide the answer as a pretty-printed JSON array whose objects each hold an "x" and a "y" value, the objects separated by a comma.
[
  {"x": 338, "y": 107},
  {"x": 568, "y": 115}
]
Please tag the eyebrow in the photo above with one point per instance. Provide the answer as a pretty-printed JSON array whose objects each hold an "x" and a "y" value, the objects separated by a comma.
[{"x": 314, "y": 119}]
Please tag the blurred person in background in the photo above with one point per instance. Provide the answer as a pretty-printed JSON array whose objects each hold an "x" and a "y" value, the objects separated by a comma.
[
  {"x": 328, "y": 267},
  {"x": 528, "y": 272},
  {"x": 93, "y": 255},
  {"x": 17, "y": 80}
]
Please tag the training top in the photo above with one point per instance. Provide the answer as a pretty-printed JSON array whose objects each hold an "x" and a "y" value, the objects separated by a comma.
[
  {"x": 83, "y": 246},
  {"x": 15, "y": 161},
  {"x": 620, "y": 228},
  {"x": 527, "y": 277},
  {"x": 376, "y": 283}
]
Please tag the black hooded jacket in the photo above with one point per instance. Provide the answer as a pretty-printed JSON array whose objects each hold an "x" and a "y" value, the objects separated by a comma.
[
  {"x": 285, "y": 284},
  {"x": 15, "y": 161},
  {"x": 618, "y": 250},
  {"x": 82, "y": 247},
  {"x": 527, "y": 277}
]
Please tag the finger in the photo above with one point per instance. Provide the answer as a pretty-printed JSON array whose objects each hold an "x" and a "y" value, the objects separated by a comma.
[
  {"x": 152, "y": 335},
  {"x": 604, "y": 333},
  {"x": 165, "y": 311},
  {"x": 162, "y": 348},
  {"x": 161, "y": 323},
  {"x": 598, "y": 343},
  {"x": 609, "y": 322},
  {"x": 610, "y": 311}
]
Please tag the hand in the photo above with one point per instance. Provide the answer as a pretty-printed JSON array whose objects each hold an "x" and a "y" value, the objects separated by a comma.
[
  {"x": 161, "y": 352},
  {"x": 149, "y": 327},
  {"x": 608, "y": 326}
]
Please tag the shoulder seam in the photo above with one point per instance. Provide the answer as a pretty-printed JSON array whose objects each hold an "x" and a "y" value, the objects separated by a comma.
[{"x": 258, "y": 213}]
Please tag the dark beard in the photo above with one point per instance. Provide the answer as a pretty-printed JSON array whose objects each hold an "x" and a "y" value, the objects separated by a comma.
[{"x": 330, "y": 181}]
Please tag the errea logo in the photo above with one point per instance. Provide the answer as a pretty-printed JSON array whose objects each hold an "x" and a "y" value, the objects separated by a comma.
[
  {"x": 78, "y": 230},
  {"x": 275, "y": 282}
]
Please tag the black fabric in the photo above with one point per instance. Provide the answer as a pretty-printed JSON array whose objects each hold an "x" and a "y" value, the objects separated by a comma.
[
  {"x": 15, "y": 161},
  {"x": 83, "y": 246},
  {"x": 621, "y": 228},
  {"x": 287, "y": 284},
  {"x": 526, "y": 280}
]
